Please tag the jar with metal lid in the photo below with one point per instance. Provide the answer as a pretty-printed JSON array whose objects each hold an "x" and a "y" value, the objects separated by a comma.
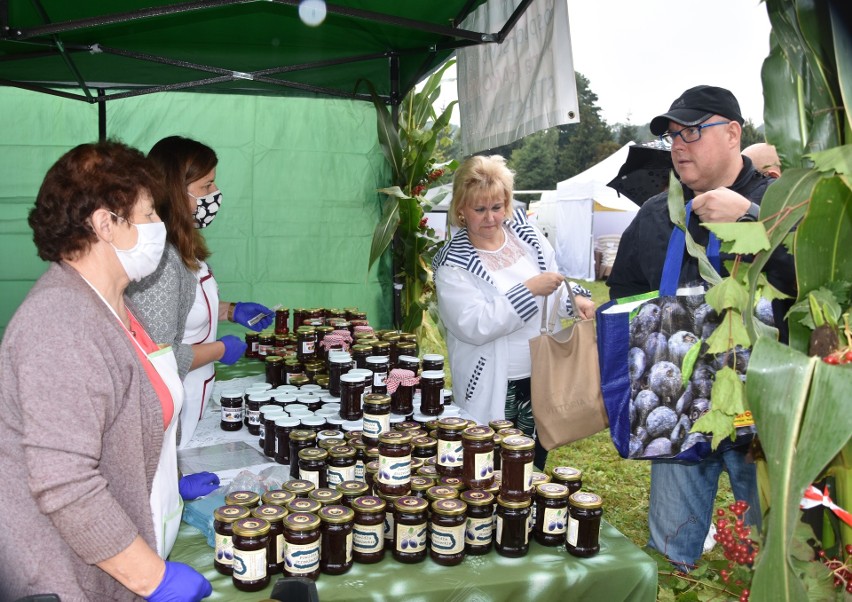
[
  {"x": 371, "y": 471},
  {"x": 341, "y": 464},
  {"x": 232, "y": 410},
  {"x": 223, "y": 520},
  {"x": 302, "y": 556},
  {"x": 551, "y": 514},
  {"x": 251, "y": 540},
  {"x": 383, "y": 348},
  {"x": 447, "y": 532},
  {"x": 478, "y": 457},
  {"x": 338, "y": 365},
  {"x": 441, "y": 492},
  {"x": 291, "y": 369},
  {"x": 415, "y": 464},
  {"x": 499, "y": 425},
  {"x": 255, "y": 400},
  {"x": 327, "y": 496},
  {"x": 377, "y": 407},
  {"x": 424, "y": 447},
  {"x": 310, "y": 401},
  {"x": 246, "y": 499},
  {"x": 407, "y": 349},
  {"x": 336, "y": 523},
  {"x": 304, "y": 504},
  {"x": 284, "y": 425},
  {"x": 410, "y": 527},
  {"x": 479, "y": 528},
  {"x": 512, "y": 535},
  {"x": 517, "y": 467},
  {"x": 569, "y": 476},
  {"x": 428, "y": 470},
  {"x": 389, "y": 531},
  {"x": 420, "y": 484},
  {"x": 312, "y": 465},
  {"x": 368, "y": 533},
  {"x": 511, "y": 432},
  {"x": 275, "y": 545},
  {"x": 406, "y": 426},
  {"x": 299, "y": 439},
  {"x": 379, "y": 365},
  {"x": 274, "y": 365},
  {"x": 454, "y": 482},
  {"x": 538, "y": 478},
  {"x": 306, "y": 343},
  {"x": 299, "y": 315},
  {"x": 298, "y": 487},
  {"x": 432, "y": 361},
  {"x": 277, "y": 497},
  {"x": 350, "y": 490},
  {"x": 360, "y": 457},
  {"x": 360, "y": 353},
  {"x": 394, "y": 475},
  {"x": 313, "y": 370},
  {"x": 450, "y": 457},
  {"x": 334, "y": 434},
  {"x": 252, "y": 343},
  {"x": 265, "y": 344},
  {"x": 582, "y": 536},
  {"x": 431, "y": 392},
  {"x": 406, "y": 362},
  {"x": 312, "y": 422},
  {"x": 282, "y": 320},
  {"x": 351, "y": 390}
]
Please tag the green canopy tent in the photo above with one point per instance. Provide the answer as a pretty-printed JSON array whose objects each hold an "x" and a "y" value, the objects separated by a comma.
[{"x": 300, "y": 162}]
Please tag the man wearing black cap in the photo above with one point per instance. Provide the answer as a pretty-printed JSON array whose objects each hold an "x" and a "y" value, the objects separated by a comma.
[{"x": 704, "y": 127}]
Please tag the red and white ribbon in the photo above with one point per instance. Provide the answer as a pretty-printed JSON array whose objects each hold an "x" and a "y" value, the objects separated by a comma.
[
  {"x": 814, "y": 498},
  {"x": 363, "y": 328},
  {"x": 400, "y": 376},
  {"x": 336, "y": 340}
]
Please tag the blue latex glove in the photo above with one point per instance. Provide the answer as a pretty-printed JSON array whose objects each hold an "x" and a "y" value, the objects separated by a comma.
[
  {"x": 243, "y": 312},
  {"x": 197, "y": 485},
  {"x": 235, "y": 347},
  {"x": 181, "y": 583}
]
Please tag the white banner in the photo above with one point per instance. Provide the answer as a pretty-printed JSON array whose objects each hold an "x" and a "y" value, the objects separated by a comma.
[{"x": 524, "y": 85}]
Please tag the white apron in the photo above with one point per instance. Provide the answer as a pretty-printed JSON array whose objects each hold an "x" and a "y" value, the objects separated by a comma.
[{"x": 201, "y": 324}]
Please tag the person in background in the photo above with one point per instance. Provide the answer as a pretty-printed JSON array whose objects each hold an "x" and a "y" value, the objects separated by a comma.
[
  {"x": 87, "y": 429},
  {"x": 491, "y": 279},
  {"x": 765, "y": 159},
  {"x": 704, "y": 128},
  {"x": 180, "y": 300}
]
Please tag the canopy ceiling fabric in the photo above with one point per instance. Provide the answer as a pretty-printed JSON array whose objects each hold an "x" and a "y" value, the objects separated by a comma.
[{"x": 234, "y": 46}]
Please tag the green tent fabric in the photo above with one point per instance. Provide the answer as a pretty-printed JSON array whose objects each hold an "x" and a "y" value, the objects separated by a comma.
[{"x": 299, "y": 179}]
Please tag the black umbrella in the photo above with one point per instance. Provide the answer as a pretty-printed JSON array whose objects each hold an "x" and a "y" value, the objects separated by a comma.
[{"x": 644, "y": 173}]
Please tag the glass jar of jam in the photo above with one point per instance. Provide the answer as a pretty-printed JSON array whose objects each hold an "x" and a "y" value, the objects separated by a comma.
[
  {"x": 299, "y": 315},
  {"x": 251, "y": 540},
  {"x": 510, "y": 432},
  {"x": 252, "y": 343},
  {"x": 292, "y": 370},
  {"x": 478, "y": 457},
  {"x": 306, "y": 343},
  {"x": 282, "y": 320},
  {"x": 377, "y": 407},
  {"x": 255, "y": 401},
  {"x": 231, "y": 401},
  {"x": 223, "y": 520},
  {"x": 246, "y": 499},
  {"x": 378, "y": 364},
  {"x": 479, "y": 528},
  {"x": 432, "y": 361},
  {"x": 360, "y": 457},
  {"x": 333, "y": 434},
  {"x": 424, "y": 447},
  {"x": 441, "y": 492},
  {"x": 298, "y": 487},
  {"x": 371, "y": 472},
  {"x": 551, "y": 514},
  {"x": 277, "y": 497},
  {"x": 569, "y": 476},
  {"x": 360, "y": 353},
  {"x": 350, "y": 490},
  {"x": 428, "y": 470},
  {"x": 368, "y": 533},
  {"x": 299, "y": 439},
  {"x": 420, "y": 484},
  {"x": 265, "y": 344},
  {"x": 406, "y": 349},
  {"x": 326, "y": 496},
  {"x": 303, "y": 504},
  {"x": 447, "y": 532},
  {"x": 351, "y": 390},
  {"x": 407, "y": 426},
  {"x": 268, "y": 414},
  {"x": 312, "y": 465},
  {"x": 394, "y": 475},
  {"x": 312, "y": 422},
  {"x": 512, "y": 534},
  {"x": 302, "y": 556},
  {"x": 498, "y": 440},
  {"x": 338, "y": 364},
  {"x": 341, "y": 464},
  {"x": 499, "y": 425},
  {"x": 450, "y": 457},
  {"x": 584, "y": 524},
  {"x": 274, "y": 369},
  {"x": 336, "y": 523},
  {"x": 402, "y": 391},
  {"x": 431, "y": 392},
  {"x": 405, "y": 362},
  {"x": 410, "y": 527},
  {"x": 517, "y": 468},
  {"x": 275, "y": 545},
  {"x": 284, "y": 425}
]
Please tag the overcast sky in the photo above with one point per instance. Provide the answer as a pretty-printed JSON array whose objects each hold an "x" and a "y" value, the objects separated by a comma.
[{"x": 639, "y": 55}]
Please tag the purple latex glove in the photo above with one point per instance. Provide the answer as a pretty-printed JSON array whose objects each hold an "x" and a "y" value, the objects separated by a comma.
[
  {"x": 197, "y": 485},
  {"x": 243, "y": 312},
  {"x": 181, "y": 583},
  {"x": 235, "y": 347}
]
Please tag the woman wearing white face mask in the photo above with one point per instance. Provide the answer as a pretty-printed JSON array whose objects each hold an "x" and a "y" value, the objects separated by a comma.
[
  {"x": 180, "y": 300},
  {"x": 86, "y": 421}
]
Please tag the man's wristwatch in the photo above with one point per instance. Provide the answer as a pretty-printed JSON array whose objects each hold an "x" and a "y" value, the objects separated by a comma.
[{"x": 751, "y": 214}]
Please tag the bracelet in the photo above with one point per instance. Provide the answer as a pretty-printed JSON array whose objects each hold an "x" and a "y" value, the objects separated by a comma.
[{"x": 231, "y": 308}]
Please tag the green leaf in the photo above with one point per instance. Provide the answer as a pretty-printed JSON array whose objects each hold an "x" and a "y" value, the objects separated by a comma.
[
  {"x": 728, "y": 392},
  {"x": 717, "y": 423},
  {"x": 728, "y": 293},
  {"x": 387, "y": 133},
  {"x": 729, "y": 333},
  {"x": 677, "y": 208},
  {"x": 688, "y": 363},
  {"x": 740, "y": 238},
  {"x": 385, "y": 229},
  {"x": 834, "y": 160}
]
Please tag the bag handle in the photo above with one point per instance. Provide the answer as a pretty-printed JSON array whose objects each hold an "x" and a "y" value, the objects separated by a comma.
[
  {"x": 674, "y": 257},
  {"x": 548, "y": 323}
]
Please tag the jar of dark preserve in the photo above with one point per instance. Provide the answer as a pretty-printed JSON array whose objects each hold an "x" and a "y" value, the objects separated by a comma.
[
  {"x": 446, "y": 532},
  {"x": 368, "y": 534},
  {"x": 291, "y": 370},
  {"x": 274, "y": 370},
  {"x": 284, "y": 425},
  {"x": 277, "y": 497},
  {"x": 584, "y": 524},
  {"x": 336, "y": 524},
  {"x": 341, "y": 465},
  {"x": 246, "y": 499},
  {"x": 479, "y": 528},
  {"x": 499, "y": 425},
  {"x": 350, "y": 490},
  {"x": 424, "y": 447},
  {"x": 251, "y": 538},
  {"x": 252, "y": 344},
  {"x": 377, "y": 407},
  {"x": 402, "y": 393},
  {"x": 517, "y": 468},
  {"x": 431, "y": 392},
  {"x": 255, "y": 400},
  {"x": 268, "y": 414},
  {"x": 232, "y": 410},
  {"x": 300, "y": 488},
  {"x": 312, "y": 466},
  {"x": 302, "y": 534},
  {"x": 360, "y": 457},
  {"x": 390, "y": 509},
  {"x": 223, "y": 521},
  {"x": 450, "y": 456},
  {"x": 551, "y": 514},
  {"x": 282, "y": 320},
  {"x": 371, "y": 472},
  {"x": 478, "y": 457},
  {"x": 432, "y": 361},
  {"x": 351, "y": 390},
  {"x": 265, "y": 344},
  {"x": 569, "y": 476},
  {"x": 512, "y": 533},
  {"x": 326, "y": 496},
  {"x": 394, "y": 474},
  {"x": 410, "y": 527},
  {"x": 299, "y": 440},
  {"x": 420, "y": 484},
  {"x": 306, "y": 343},
  {"x": 304, "y": 504},
  {"x": 379, "y": 366},
  {"x": 275, "y": 545},
  {"x": 360, "y": 353}
]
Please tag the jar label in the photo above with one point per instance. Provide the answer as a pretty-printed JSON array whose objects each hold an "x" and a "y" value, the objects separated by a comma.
[
  {"x": 448, "y": 540},
  {"x": 338, "y": 474},
  {"x": 310, "y": 475},
  {"x": 528, "y": 476},
  {"x": 478, "y": 531},
  {"x": 308, "y": 347},
  {"x": 394, "y": 471},
  {"x": 301, "y": 559},
  {"x": 379, "y": 379},
  {"x": 232, "y": 414},
  {"x": 411, "y": 539},
  {"x": 359, "y": 470},
  {"x": 249, "y": 565},
  {"x": 224, "y": 549},
  {"x": 262, "y": 430},
  {"x": 554, "y": 520},
  {"x": 389, "y": 526},
  {"x": 531, "y": 519},
  {"x": 376, "y": 424},
  {"x": 368, "y": 538},
  {"x": 450, "y": 453},
  {"x": 280, "y": 548},
  {"x": 499, "y": 530},
  {"x": 349, "y": 548},
  {"x": 254, "y": 417},
  {"x": 483, "y": 466},
  {"x": 572, "y": 530}
]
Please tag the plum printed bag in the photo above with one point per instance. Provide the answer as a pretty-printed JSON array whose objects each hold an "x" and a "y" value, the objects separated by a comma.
[{"x": 642, "y": 342}]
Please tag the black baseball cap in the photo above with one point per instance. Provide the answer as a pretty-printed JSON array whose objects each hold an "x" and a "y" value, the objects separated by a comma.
[{"x": 696, "y": 105}]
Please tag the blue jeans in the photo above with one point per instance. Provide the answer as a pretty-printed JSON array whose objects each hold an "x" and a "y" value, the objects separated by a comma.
[{"x": 682, "y": 495}]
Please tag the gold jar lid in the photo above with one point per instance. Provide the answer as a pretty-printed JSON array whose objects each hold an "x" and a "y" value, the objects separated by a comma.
[
  {"x": 421, "y": 483},
  {"x": 410, "y": 503},
  {"x": 428, "y": 470},
  {"x": 274, "y": 359},
  {"x": 499, "y": 425},
  {"x": 450, "y": 507},
  {"x": 342, "y": 451},
  {"x": 313, "y": 453},
  {"x": 304, "y": 504},
  {"x": 552, "y": 491},
  {"x": 408, "y": 337},
  {"x": 395, "y": 438},
  {"x": 231, "y": 513},
  {"x": 566, "y": 473},
  {"x": 321, "y": 380},
  {"x": 539, "y": 477},
  {"x": 454, "y": 482},
  {"x": 330, "y": 443},
  {"x": 424, "y": 441},
  {"x": 302, "y": 435},
  {"x": 478, "y": 433},
  {"x": 515, "y": 442},
  {"x": 391, "y": 337},
  {"x": 270, "y": 512},
  {"x": 584, "y": 499},
  {"x": 336, "y": 514},
  {"x": 277, "y": 497},
  {"x": 242, "y": 498},
  {"x": 381, "y": 345},
  {"x": 299, "y": 380},
  {"x": 325, "y": 496},
  {"x": 376, "y": 399},
  {"x": 362, "y": 348},
  {"x": 298, "y": 486},
  {"x": 441, "y": 492},
  {"x": 352, "y": 488},
  {"x": 512, "y": 503},
  {"x": 369, "y": 504},
  {"x": 406, "y": 346},
  {"x": 452, "y": 423},
  {"x": 477, "y": 497},
  {"x": 251, "y": 527},
  {"x": 372, "y": 466},
  {"x": 301, "y": 521}
]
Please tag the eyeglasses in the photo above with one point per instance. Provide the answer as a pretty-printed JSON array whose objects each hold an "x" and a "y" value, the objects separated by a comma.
[
  {"x": 124, "y": 219},
  {"x": 689, "y": 134}
]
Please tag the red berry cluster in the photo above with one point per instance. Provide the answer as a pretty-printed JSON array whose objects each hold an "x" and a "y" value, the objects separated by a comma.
[
  {"x": 841, "y": 356},
  {"x": 423, "y": 223},
  {"x": 418, "y": 190},
  {"x": 435, "y": 174},
  {"x": 841, "y": 571},
  {"x": 734, "y": 536}
]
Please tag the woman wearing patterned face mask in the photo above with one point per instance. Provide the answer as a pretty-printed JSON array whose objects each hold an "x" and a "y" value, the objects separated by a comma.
[{"x": 180, "y": 300}]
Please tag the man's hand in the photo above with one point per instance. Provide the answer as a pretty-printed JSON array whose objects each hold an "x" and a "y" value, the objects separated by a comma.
[{"x": 720, "y": 205}]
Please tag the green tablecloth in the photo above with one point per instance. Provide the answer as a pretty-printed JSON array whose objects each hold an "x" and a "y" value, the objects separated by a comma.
[{"x": 621, "y": 571}]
